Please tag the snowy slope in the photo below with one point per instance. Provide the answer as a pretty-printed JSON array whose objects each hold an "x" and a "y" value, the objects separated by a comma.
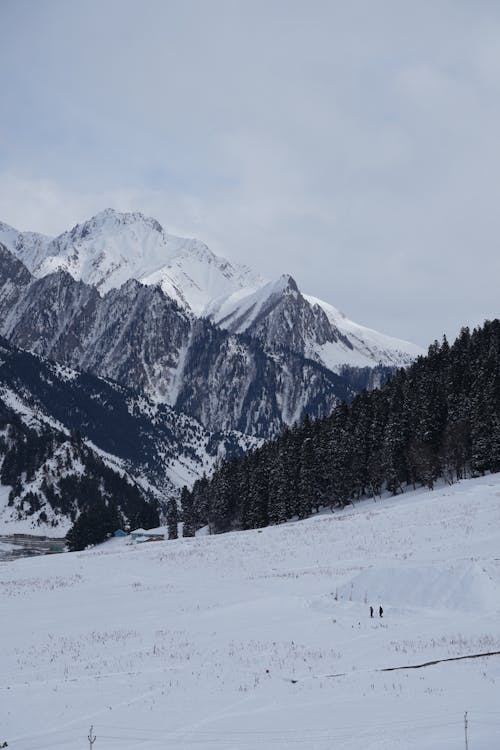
[
  {"x": 49, "y": 476},
  {"x": 242, "y": 309},
  {"x": 194, "y": 275},
  {"x": 111, "y": 248},
  {"x": 367, "y": 344},
  {"x": 30, "y": 247},
  {"x": 263, "y": 639}
]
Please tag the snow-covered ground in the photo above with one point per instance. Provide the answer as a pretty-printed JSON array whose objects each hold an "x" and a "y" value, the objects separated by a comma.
[
  {"x": 6, "y": 547},
  {"x": 263, "y": 639}
]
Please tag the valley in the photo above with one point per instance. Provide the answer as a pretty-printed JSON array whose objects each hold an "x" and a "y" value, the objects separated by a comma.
[{"x": 263, "y": 638}]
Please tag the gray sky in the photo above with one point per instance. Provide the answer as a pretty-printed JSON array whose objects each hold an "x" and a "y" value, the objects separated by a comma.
[{"x": 355, "y": 145}]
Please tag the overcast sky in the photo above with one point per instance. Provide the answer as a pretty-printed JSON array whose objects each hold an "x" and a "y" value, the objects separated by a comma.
[{"x": 355, "y": 145}]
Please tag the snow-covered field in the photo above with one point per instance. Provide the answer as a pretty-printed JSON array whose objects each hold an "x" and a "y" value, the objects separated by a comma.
[{"x": 263, "y": 639}]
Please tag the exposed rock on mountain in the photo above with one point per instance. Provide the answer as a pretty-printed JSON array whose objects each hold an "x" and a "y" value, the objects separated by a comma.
[
  {"x": 111, "y": 248},
  {"x": 279, "y": 315},
  {"x": 160, "y": 447},
  {"x": 120, "y": 297},
  {"x": 141, "y": 338}
]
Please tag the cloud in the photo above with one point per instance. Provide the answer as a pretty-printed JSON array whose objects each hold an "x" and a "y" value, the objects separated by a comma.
[{"x": 352, "y": 146}]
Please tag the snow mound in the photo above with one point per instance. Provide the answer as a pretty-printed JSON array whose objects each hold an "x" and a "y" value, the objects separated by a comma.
[{"x": 466, "y": 587}]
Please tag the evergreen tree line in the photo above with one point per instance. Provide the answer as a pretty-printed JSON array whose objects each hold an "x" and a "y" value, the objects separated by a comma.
[
  {"x": 106, "y": 502},
  {"x": 440, "y": 418}
]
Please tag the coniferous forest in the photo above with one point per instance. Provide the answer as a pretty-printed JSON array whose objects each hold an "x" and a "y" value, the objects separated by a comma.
[{"x": 438, "y": 419}]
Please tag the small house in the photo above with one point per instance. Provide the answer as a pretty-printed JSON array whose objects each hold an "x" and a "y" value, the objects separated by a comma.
[
  {"x": 120, "y": 533},
  {"x": 141, "y": 535}
]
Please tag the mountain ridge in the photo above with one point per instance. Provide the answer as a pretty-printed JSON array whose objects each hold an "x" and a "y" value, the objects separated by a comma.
[
  {"x": 141, "y": 338},
  {"x": 111, "y": 247}
]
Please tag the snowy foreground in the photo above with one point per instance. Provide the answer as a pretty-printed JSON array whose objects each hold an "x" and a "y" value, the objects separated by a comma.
[{"x": 263, "y": 639}]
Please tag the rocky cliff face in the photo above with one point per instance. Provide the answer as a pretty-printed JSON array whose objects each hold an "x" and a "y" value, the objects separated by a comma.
[
  {"x": 111, "y": 248},
  {"x": 232, "y": 380},
  {"x": 151, "y": 441},
  {"x": 141, "y": 338},
  {"x": 281, "y": 317}
]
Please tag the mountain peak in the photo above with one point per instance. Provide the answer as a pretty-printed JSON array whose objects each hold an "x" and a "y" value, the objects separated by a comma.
[
  {"x": 112, "y": 247},
  {"x": 285, "y": 284},
  {"x": 112, "y": 219}
]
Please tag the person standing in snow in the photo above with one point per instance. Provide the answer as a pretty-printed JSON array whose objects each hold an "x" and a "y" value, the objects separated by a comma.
[
  {"x": 371, "y": 611},
  {"x": 380, "y": 611}
]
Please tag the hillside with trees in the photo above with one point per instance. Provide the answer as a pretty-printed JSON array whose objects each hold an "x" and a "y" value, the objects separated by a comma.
[
  {"x": 54, "y": 478},
  {"x": 437, "y": 420}
]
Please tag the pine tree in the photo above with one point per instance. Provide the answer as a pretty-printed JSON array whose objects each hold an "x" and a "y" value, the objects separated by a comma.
[
  {"x": 256, "y": 512},
  {"x": 189, "y": 526},
  {"x": 219, "y": 518},
  {"x": 172, "y": 519},
  {"x": 279, "y": 500}
]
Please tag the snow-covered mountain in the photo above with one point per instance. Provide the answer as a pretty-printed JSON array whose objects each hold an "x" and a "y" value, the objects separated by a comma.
[
  {"x": 49, "y": 475},
  {"x": 364, "y": 345},
  {"x": 277, "y": 313},
  {"x": 139, "y": 337},
  {"x": 111, "y": 248},
  {"x": 157, "y": 448},
  {"x": 121, "y": 298},
  {"x": 29, "y": 247}
]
